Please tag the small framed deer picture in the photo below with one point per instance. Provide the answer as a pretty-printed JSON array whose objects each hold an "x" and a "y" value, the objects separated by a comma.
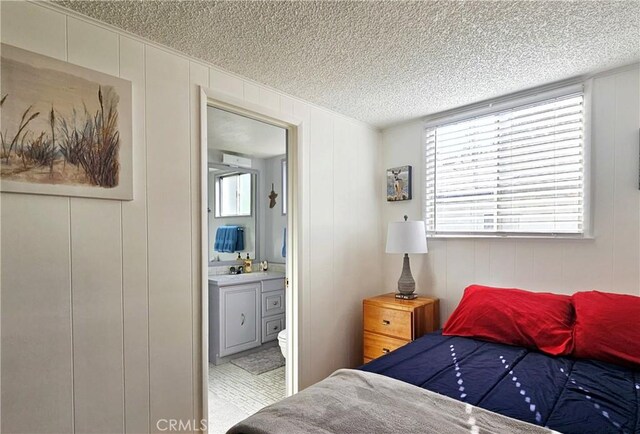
[{"x": 399, "y": 184}]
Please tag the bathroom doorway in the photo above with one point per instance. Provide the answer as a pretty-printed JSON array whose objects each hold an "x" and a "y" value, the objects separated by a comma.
[{"x": 249, "y": 249}]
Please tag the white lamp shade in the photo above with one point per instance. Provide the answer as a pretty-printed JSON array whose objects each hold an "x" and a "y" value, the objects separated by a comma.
[{"x": 406, "y": 237}]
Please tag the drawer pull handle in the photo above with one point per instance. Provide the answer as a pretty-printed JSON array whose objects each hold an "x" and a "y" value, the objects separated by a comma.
[
  {"x": 275, "y": 327},
  {"x": 386, "y": 322},
  {"x": 385, "y": 350},
  {"x": 275, "y": 303},
  {"x": 242, "y": 319}
]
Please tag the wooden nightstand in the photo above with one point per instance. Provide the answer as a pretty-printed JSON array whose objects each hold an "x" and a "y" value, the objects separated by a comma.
[{"x": 390, "y": 323}]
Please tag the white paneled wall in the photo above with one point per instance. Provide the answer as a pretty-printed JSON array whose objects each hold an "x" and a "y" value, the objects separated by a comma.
[
  {"x": 101, "y": 299},
  {"x": 37, "y": 356},
  {"x": 609, "y": 262},
  {"x": 169, "y": 229},
  {"x": 134, "y": 252}
]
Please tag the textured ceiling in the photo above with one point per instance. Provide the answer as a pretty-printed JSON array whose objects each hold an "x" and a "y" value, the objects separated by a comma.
[
  {"x": 231, "y": 132},
  {"x": 385, "y": 62}
]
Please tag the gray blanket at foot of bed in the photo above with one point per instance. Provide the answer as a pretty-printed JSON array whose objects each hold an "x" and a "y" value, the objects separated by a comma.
[{"x": 351, "y": 401}]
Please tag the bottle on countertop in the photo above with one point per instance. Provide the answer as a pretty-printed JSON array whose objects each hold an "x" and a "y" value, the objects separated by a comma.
[
  {"x": 265, "y": 265},
  {"x": 248, "y": 264},
  {"x": 239, "y": 258}
]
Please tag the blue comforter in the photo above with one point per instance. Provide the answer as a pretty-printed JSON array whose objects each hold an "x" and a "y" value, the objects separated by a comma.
[{"x": 564, "y": 394}]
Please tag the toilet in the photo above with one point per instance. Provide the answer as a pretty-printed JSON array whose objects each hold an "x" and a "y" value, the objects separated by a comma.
[{"x": 282, "y": 341}]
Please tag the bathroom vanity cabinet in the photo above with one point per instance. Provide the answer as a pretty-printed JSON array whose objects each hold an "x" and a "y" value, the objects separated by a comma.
[
  {"x": 245, "y": 312},
  {"x": 239, "y": 315}
]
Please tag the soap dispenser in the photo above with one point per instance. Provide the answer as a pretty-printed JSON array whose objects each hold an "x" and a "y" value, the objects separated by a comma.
[{"x": 248, "y": 264}]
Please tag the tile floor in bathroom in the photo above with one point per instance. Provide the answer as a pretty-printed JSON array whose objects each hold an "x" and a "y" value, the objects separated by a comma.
[{"x": 235, "y": 394}]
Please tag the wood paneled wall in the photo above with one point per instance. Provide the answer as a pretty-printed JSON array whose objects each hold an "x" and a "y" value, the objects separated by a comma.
[
  {"x": 101, "y": 299},
  {"x": 609, "y": 262}
]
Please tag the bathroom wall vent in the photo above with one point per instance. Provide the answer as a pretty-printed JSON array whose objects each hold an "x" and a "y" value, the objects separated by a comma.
[{"x": 234, "y": 160}]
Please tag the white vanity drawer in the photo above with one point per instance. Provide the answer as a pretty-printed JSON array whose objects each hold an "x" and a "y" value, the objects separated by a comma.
[
  {"x": 272, "y": 303},
  {"x": 271, "y": 326},
  {"x": 272, "y": 285}
]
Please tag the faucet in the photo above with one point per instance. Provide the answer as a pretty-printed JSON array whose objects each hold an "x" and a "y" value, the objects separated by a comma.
[{"x": 234, "y": 270}]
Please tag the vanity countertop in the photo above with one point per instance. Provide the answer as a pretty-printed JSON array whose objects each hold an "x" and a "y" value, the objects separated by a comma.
[{"x": 232, "y": 279}]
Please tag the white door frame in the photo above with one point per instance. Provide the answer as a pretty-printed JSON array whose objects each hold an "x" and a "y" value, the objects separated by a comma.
[{"x": 295, "y": 135}]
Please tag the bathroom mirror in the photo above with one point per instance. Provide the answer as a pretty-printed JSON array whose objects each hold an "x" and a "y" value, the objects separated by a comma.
[
  {"x": 232, "y": 213},
  {"x": 245, "y": 162}
]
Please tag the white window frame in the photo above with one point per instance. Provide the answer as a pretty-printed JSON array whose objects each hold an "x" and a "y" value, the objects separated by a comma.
[
  {"x": 505, "y": 103},
  {"x": 218, "y": 196}
]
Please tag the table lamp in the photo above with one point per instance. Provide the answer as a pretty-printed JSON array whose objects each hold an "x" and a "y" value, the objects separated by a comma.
[{"x": 406, "y": 237}]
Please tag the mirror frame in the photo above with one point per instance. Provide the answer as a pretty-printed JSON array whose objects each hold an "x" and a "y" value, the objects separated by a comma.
[{"x": 255, "y": 178}]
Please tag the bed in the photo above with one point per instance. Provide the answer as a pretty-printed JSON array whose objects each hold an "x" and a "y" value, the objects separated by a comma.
[
  {"x": 567, "y": 395},
  {"x": 508, "y": 360}
]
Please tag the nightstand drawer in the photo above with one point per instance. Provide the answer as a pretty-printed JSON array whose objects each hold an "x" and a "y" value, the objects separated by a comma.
[
  {"x": 390, "y": 322},
  {"x": 377, "y": 345}
]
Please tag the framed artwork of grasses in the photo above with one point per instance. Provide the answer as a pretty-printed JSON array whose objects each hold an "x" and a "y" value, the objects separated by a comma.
[{"x": 64, "y": 130}]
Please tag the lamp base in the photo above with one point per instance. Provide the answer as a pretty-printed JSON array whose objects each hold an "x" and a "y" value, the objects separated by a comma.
[
  {"x": 406, "y": 296},
  {"x": 406, "y": 284}
]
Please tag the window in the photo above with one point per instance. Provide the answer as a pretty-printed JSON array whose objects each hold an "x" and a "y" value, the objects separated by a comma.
[
  {"x": 512, "y": 171},
  {"x": 233, "y": 195}
]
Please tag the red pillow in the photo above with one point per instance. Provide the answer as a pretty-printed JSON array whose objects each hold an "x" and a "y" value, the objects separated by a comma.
[
  {"x": 515, "y": 317},
  {"x": 607, "y": 327}
]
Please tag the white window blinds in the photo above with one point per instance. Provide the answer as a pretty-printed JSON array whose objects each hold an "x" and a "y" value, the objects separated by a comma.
[{"x": 514, "y": 171}]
